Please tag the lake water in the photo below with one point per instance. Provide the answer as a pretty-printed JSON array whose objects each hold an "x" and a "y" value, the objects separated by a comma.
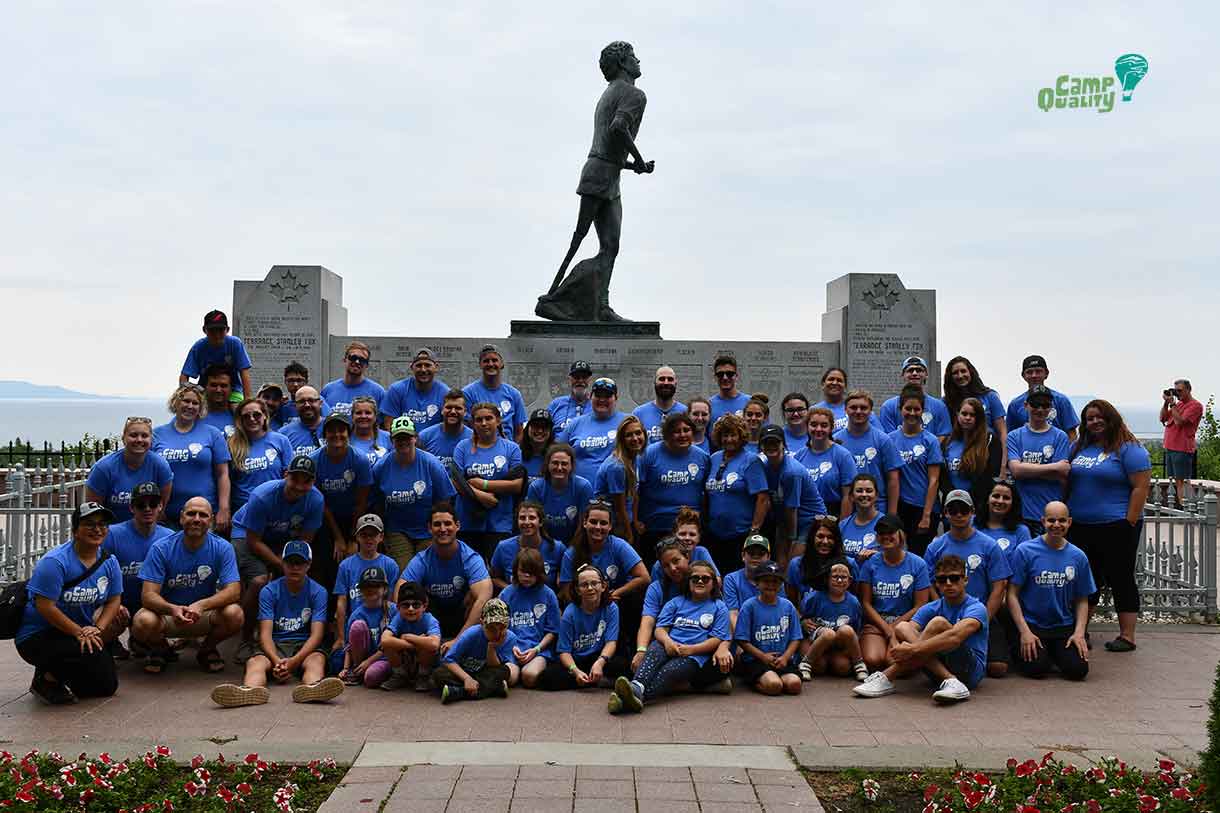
[{"x": 54, "y": 420}]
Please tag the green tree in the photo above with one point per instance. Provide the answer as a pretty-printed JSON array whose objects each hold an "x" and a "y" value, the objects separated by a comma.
[
  {"x": 1209, "y": 763},
  {"x": 1208, "y": 441}
]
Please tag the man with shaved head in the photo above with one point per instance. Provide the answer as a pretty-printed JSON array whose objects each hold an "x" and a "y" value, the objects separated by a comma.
[
  {"x": 654, "y": 413},
  {"x": 305, "y": 431},
  {"x": 191, "y": 590}
]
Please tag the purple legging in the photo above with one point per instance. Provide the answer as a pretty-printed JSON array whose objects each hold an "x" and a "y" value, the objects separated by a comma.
[{"x": 359, "y": 644}]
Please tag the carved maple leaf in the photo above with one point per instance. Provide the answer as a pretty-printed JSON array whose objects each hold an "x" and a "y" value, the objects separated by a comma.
[
  {"x": 881, "y": 297},
  {"x": 288, "y": 288}
]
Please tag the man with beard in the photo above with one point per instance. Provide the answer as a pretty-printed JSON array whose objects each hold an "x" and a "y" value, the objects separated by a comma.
[
  {"x": 355, "y": 382},
  {"x": 420, "y": 397},
  {"x": 567, "y": 408},
  {"x": 654, "y": 413},
  {"x": 442, "y": 438},
  {"x": 305, "y": 431},
  {"x": 217, "y": 389}
]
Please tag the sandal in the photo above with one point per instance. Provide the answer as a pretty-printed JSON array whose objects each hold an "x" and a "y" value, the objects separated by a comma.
[
  {"x": 1120, "y": 644},
  {"x": 154, "y": 664},
  {"x": 210, "y": 661}
]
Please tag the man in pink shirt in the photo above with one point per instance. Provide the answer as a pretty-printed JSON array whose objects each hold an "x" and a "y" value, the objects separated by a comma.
[{"x": 1180, "y": 414}]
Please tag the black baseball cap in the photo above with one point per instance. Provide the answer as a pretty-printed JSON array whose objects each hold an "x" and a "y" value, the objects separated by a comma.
[
  {"x": 889, "y": 524},
  {"x": 1040, "y": 393},
  {"x": 490, "y": 348},
  {"x": 372, "y": 577},
  {"x": 1033, "y": 361},
  {"x": 146, "y": 490},
  {"x": 771, "y": 432},
  {"x": 215, "y": 319},
  {"x": 605, "y": 385},
  {"x": 304, "y": 464},
  {"x": 279, "y": 391},
  {"x": 337, "y": 416},
  {"x": 541, "y": 416},
  {"x": 768, "y": 570},
  {"x": 580, "y": 367}
]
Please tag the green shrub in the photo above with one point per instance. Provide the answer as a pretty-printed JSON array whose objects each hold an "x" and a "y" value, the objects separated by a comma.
[{"x": 1209, "y": 765}]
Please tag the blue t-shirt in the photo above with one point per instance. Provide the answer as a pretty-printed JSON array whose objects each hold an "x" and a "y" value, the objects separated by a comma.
[
  {"x": 288, "y": 411},
  {"x": 935, "y": 416},
  {"x": 858, "y": 537},
  {"x": 1050, "y": 582},
  {"x": 291, "y": 614},
  {"x": 125, "y": 544},
  {"x": 1008, "y": 540},
  {"x": 562, "y": 507},
  {"x": 791, "y": 486},
  {"x": 697, "y": 554},
  {"x": 446, "y": 580},
  {"x": 693, "y": 622},
  {"x": 427, "y": 625},
  {"x": 976, "y": 644},
  {"x": 423, "y": 408},
  {"x": 652, "y": 416},
  {"x": 832, "y": 470},
  {"x": 373, "y": 617},
  {"x": 231, "y": 353},
  {"x": 469, "y": 649},
  {"x": 222, "y": 422},
  {"x": 738, "y": 589},
  {"x": 826, "y": 612},
  {"x": 670, "y": 481},
  {"x": 505, "y": 554},
  {"x": 722, "y": 406},
  {"x": 533, "y": 467},
  {"x": 348, "y": 575},
  {"x": 304, "y": 439},
  {"x": 440, "y": 443},
  {"x": 839, "y": 410},
  {"x": 1100, "y": 488},
  {"x": 769, "y": 627},
  {"x": 507, "y": 397},
  {"x": 489, "y": 464},
  {"x": 612, "y": 480},
  {"x": 266, "y": 461},
  {"x": 269, "y": 513},
  {"x": 1063, "y": 414},
  {"x": 375, "y": 447},
  {"x": 732, "y": 487},
  {"x": 793, "y": 442},
  {"x": 57, "y": 566},
  {"x": 986, "y": 564},
  {"x": 338, "y": 481},
  {"x": 113, "y": 480},
  {"x": 565, "y": 409},
  {"x": 592, "y": 438},
  {"x": 190, "y": 456},
  {"x": 894, "y": 586},
  {"x": 339, "y": 394},
  {"x": 993, "y": 407},
  {"x": 796, "y": 579},
  {"x": 532, "y": 613},
  {"x": 658, "y": 594},
  {"x": 874, "y": 454},
  {"x": 583, "y": 634},
  {"x": 1027, "y": 446},
  {"x": 953, "y": 465},
  {"x": 616, "y": 560},
  {"x": 187, "y": 576},
  {"x": 917, "y": 454}
]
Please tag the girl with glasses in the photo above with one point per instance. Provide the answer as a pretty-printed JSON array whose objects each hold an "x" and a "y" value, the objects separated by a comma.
[
  {"x": 588, "y": 650},
  {"x": 831, "y": 620}
]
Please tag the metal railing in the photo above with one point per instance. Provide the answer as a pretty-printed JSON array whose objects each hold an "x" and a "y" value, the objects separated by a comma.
[
  {"x": 1176, "y": 561},
  {"x": 35, "y": 514}
]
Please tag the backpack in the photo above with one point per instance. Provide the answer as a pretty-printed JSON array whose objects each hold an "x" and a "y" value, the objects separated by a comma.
[{"x": 14, "y": 597}]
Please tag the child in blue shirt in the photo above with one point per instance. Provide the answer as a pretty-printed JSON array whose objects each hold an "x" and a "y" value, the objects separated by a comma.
[
  {"x": 831, "y": 621},
  {"x": 588, "y": 638},
  {"x": 409, "y": 644},
  {"x": 479, "y": 663},
  {"x": 533, "y": 616},
  {"x": 768, "y": 632},
  {"x": 365, "y": 625}
]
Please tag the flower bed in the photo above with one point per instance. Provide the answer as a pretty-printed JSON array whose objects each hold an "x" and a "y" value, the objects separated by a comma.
[
  {"x": 155, "y": 783},
  {"x": 1032, "y": 786}
]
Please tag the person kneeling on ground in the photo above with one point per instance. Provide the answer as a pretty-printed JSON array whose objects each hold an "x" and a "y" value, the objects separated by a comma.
[
  {"x": 689, "y": 630},
  {"x": 830, "y": 620},
  {"x": 1048, "y": 599},
  {"x": 291, "y": 623},
  {"x": 768, "y": 631},
  {"x": 410, "y": 643},
  {"x": 946, "y": 638},
  {"x": 191, "y": 590},
  {"x": 479, "y": 663}
]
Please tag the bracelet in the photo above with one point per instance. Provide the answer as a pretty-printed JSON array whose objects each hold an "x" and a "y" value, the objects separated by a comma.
[
  {"x": 641, "y": 649},
  {"x": 572, "y": 669},
  {"x": 602, "y": 658},
  {"x": 485, "y": 488}
]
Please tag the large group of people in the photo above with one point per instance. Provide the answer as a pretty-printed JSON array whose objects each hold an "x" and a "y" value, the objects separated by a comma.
[{"x": 450, "y": 541}]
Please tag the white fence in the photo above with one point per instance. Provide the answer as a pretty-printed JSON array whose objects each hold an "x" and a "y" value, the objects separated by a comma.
[{"x": 35, "y": 514}]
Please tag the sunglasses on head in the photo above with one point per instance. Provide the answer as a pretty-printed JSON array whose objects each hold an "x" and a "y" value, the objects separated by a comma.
[
  {"x": 361, "y": 360},
  {"x": 949, "y": 578},
  {"x": 138, "y": 419}
]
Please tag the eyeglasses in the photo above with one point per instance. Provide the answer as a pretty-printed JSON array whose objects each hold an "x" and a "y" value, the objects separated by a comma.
[
  {"x": 589, "y": 585},
  {"x": 411, "y": 605},
  {"x": 309, "y": 400},
  {"x": 253, "y": 413},
  {"x": 700, "y": 578},
  {"x": 361, "y": 360},
  {"x": 795, "y": 410},
  {"x": 949, "y": 578},
  {"x": 726, "y": 374}
]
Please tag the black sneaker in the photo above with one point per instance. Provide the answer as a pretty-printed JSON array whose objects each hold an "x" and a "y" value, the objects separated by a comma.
[
  {"x": 53, "y": 694},
  {"x": 117, "y": 650}
]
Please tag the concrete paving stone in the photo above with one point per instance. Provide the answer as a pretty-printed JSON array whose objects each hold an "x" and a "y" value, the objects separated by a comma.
[
  {"x": 604, "y": 789},
  {"x": 665, "y": 791},
  {"x": 548, "y": 773},
  {"x": 386, "y": 773},
  {"x": 483, "y": 788},
  {"x": 610, "y": 771},
  {"x": 655, "y": 774},
  {"x": 363, "y": 796},
  {"x": 438, "y": 789},
  {"x": 490, "y": 772},
  {"x": 544, "y": 789},
  {"x": 731, "y": 807},
  {"x": 668, "y": 806},
  {"x": 604, "y": 805},
  {"x": 775, "y": 796},
  {"x": 477, "y": 806},
  {"x": 737, "y": 776},
  {"x": 763, "y": 776},
  {"x": 519, "y": 805},
  {"x": 433, "y": 773},
  {"x": 899, "y": 738},
  {"x": 414, "y": 806},
  {"x": 719, "y": 792}
]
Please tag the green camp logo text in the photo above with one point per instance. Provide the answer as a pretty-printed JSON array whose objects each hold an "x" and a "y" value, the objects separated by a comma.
[{"x": 1094, "y": 91}]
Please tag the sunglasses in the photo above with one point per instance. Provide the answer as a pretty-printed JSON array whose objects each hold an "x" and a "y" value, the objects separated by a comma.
[
  {"x": 949, "y": 578},
  {"x": 795, "y": 410},
  {"x": 819, "y": 517},
  {"x": 138, "y": 419},
  {"x": 361, "y": 360},
  {"x": 957, "y": 510},
  {"x": 726, "y": 374},
  {"x": 700, "y": 578},
  {"x": 411, "y": 605},
  {"x": 146, "y": 505}
]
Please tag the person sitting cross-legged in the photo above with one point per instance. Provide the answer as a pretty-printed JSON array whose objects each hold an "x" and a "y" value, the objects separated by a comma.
[
  {"x": 946, "y": 638},
  {"x": 291, "y": 623},
  {"x": 410, "y": 644},
  {"x": 479, "y": 664},
  {"x": 191, "y": 590}
]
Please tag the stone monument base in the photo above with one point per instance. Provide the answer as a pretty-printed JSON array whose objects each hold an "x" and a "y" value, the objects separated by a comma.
[{"x": 651, "y": 330}]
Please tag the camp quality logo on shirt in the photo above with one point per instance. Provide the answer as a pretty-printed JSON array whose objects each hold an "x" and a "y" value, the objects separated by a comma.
[
  {"x": 914, "y": 453},
  {"x": 523, "y": 619},
  {"x": 595, "y": 442},
  {"x": 1003, "y": 542},
  {"x": 955, "y": 463},
  {"x": 865, "y": 457},
  {"x": 484, "y": 470},
  {"x": 678, "y": 478},
  {"x": 893, "y": 589},
  {"x": 189, "y": 580},
  {"x": 587, "y": 640},
  {"x": 406, "y": 497},
  {"x": 294, "y": 623},
  {"x": 771, "y": 633},
  {"x": 1083, "y": 462},
  {"x": 120, "y": 498},
  {"x": 612, "y": 572},
  {"x": 131, "y": 569},
  {"x": 506, "y": 407},
  {"x": 972, "y": 563},
  {"x": 1082, "y": 92},
  {"x": 1055, "y": 578}
]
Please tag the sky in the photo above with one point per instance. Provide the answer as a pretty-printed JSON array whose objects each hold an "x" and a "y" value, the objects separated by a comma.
[{"x": 154, "y": 152}]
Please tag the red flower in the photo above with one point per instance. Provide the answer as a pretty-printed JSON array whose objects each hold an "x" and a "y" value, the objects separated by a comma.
[
  {"x": 1012, "y": 763},
  {"x": 1149, "y": 803},
  {"x": 105, "y": 758},
  {"x": 1027, "y": 809},
  {"x": 251, "y": 759},
  {"x": 1047, "y": 757},
  {"x": 203, "y": 774},
  {"x": 168, "y": 805},
  {"x": 1167, "y": 778},
  {"x": 163, "y": 751},
  {"x": 243, "y": 788},
  {"x": 1115, "y": 793},
  {"x": 1093, "y": 806},
  {"x": 1181, "y": 793},
  {"x": 1026, "y": 768},
  {"x": 225, "y": 794},
  {"x": 1069, "y": 808},
  {"x": 194, "y": 790},
  {"x": 150, "y": 760},
  {"x": 86, "y": 796},
  {"x": 929, "y": 792},
  {"x": 982, "y": 779},
  {"x": 972, "y": 798},
  {"x": 196, "y": 761},
  {"x": 1167, "y": 765},
  {"x": 1096, "y": 775},
  {"x": 24, "y": 796}
]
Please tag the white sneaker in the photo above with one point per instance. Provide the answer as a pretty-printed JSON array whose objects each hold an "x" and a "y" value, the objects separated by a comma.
[
  {"x": 877, "y": 685},
  {"x": 805, "y": 668},
  {"x": 951, "y": 690}
]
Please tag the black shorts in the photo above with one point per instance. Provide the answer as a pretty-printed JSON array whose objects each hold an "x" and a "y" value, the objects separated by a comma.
[
  {"x": 751, "y": 671},
  {"x": 999, "y": 633},
  {"x": 960, "y": 662}
]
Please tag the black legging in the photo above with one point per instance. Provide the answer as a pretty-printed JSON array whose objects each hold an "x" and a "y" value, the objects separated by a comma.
[
  {"x": 1054, "y": 653},
  {"x": 556, "y": 677},
  {"x": 725, "y": 550},
  {"x": 89, "y": 674},
  {"x": 917, "y": 541},
  {"x": 1111, "y": 549}
]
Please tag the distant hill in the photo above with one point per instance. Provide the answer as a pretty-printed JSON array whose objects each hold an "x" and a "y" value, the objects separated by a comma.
[{"x": 24, "y": 389}]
